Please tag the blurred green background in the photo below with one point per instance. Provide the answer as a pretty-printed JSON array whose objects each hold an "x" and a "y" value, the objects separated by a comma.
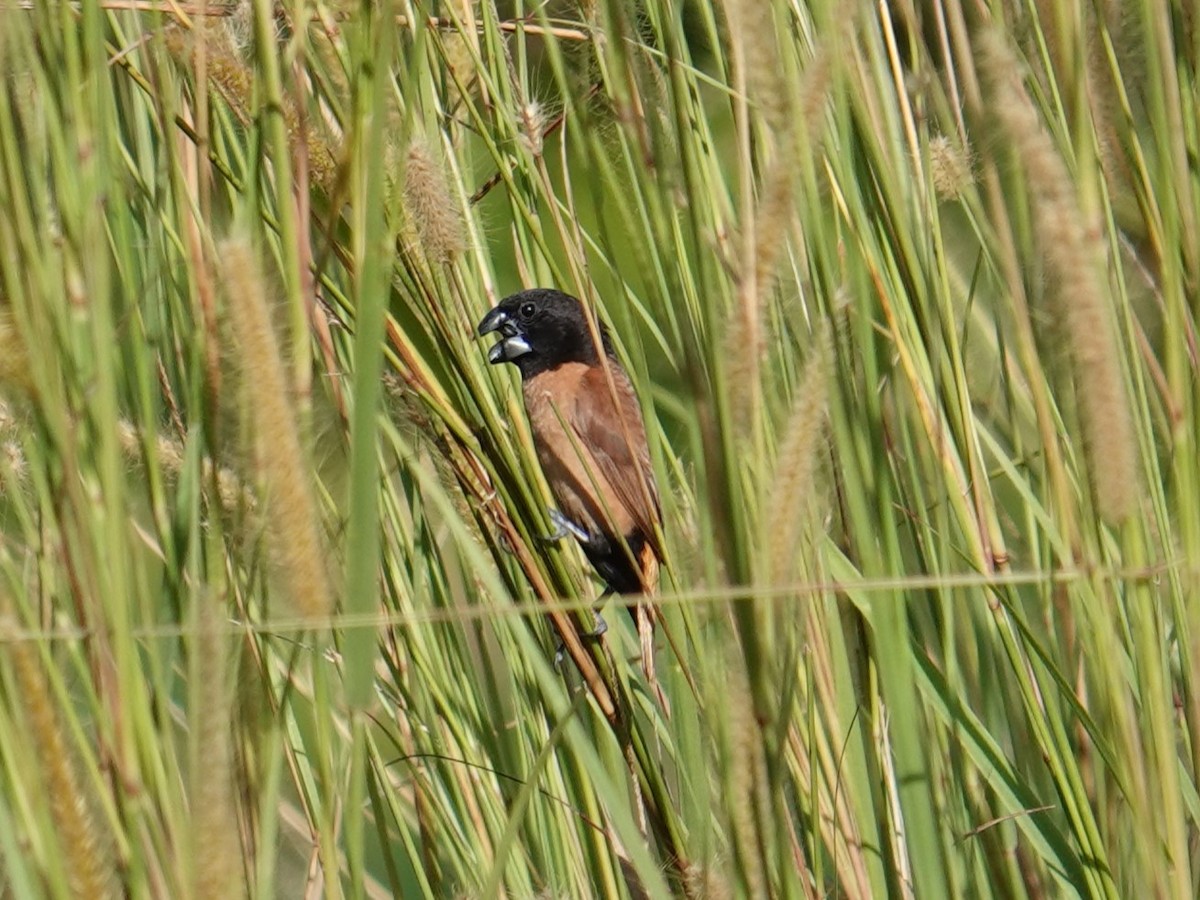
[{"x": 908, "y": 292}]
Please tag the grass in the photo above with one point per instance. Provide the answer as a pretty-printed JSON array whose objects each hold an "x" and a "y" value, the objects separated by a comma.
[{"x": 910, "y": 302}]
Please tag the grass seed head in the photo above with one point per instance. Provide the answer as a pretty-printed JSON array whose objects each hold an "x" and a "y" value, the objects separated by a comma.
[
  {"x": 1074, "y": 258},
  {"x": 293, "y": 524},
  {"x": 950, "y": 168},
  {"x": 15, "y": 370},
  {"x": 86, "y": 852},
  {"x": 431, "y": 206},
  {"x": 216, "y": 851}
]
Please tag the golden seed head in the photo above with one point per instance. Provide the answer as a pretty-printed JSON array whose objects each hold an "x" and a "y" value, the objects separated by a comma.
[
  {"x": 293, "y": 528},
  {"x": 432, "y": 207},
  {"x": 949, "y": 167},
  {"x": 705, "y": 884},
  {"x": 533, "y": 120},
  {"x": 216, "y": 851},
  {"x": 745, "y": 776},
  {"x": 1075, "y": 259},
  {"x": 86, "y": 851},
  {"x": 239, "y": 27},
  {"x": 14, "y": 360},
  {"x": 789, "y": 503}
]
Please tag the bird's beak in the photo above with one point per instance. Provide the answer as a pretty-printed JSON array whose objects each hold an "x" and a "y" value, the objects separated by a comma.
[{"x": 512, "y": 342}]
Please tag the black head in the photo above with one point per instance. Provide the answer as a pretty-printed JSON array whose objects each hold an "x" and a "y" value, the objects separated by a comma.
[{"x": 541, "y": 329}]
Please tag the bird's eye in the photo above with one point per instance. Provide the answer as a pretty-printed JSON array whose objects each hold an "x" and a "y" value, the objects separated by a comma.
[{"x": 526, "y": 310}]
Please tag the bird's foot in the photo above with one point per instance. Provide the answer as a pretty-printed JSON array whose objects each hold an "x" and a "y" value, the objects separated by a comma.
[
  {"x": 598, "y": 631},
  {"x": 564, "y": 527},
  {"x": 599, "y": 628}
]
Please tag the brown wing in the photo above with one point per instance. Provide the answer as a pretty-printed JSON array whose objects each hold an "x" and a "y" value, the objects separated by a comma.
[{"x": 615, "y": 435}]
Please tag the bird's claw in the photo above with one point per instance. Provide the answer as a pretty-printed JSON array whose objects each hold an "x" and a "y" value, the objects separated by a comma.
[
  {"x": 564, "y": 527},
  {"x": 598, "y": 630}
]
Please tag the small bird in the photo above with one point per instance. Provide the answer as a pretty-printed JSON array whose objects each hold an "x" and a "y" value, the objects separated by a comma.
[{"x": 590, "y": 440}]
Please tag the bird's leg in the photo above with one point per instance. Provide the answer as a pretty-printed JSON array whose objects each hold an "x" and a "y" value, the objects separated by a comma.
[
  {"x": 601, "y": 626},
  {"x": 598, "y": 629},
  {"x": 564, "y": 527}
]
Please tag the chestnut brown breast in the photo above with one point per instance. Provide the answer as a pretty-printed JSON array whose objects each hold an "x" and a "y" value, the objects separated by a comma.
[{"x": 591, "y": 443}]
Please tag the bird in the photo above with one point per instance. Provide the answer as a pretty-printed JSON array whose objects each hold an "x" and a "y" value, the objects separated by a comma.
[{"x": 590, "y": 439}]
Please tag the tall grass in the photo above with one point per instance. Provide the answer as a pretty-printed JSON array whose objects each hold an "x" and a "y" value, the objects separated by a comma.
[{"x": 909, "y": 297}]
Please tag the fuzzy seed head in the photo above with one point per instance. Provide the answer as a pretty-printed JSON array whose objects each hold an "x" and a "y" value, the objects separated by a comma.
[
  {"x": 431, "y": 206},
  {"x": 216, "y": 851},
  {"x": 225, "y": 47},
  {"x": 460, "y": 49},
  {"x": 743, "y": 779},
  {"x": 227, "y": 71},
  {"x": 705, "y": 884},
  {"x": 14, "y": 467},
  {"x": 795, "y": 470},
  {"x": 949, "y": 167},
  {"x": 533, "y": 121},
  {"x": 752, "y": 37},
  {"x": 1075, "y": 259},
  {"x": 239, "y": 27},
  {"x": 171, "y": 458},
  {"x": 15, "y": 461},
  {"x": 293, "y": 524},
  {"x": 86, "y": 853},
  {"x": 14, "y": 360}
]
